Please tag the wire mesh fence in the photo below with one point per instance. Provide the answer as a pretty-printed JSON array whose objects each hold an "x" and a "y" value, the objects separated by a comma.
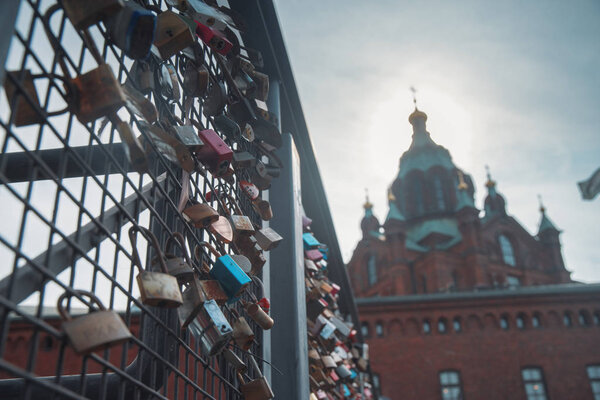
[{"x": 69, "y": 196}]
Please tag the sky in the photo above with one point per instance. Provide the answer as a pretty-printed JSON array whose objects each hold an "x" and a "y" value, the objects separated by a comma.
[{"x": 514, "y": 85}]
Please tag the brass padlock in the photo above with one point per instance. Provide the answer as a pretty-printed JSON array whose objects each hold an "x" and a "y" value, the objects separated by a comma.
[
  {"x": 242, "y": 225},
  {"x": 172, "y": 34},
  {"x": 132, "y": 30},
  {"x": 222, "y": 229},
  {"x": 257, "y": 389},
  {"x": 94, "y": 331},
  {"x": 242, "y": 333},
  {"x": 25, "y": 113},
  {"x": 267, "y": 238},
  {"x": 200, "y": 215},
  {"x": 84, "y": 14},
  {"x": 95, "y": 94},
  {"x": 263, "y": 208},
  {"x": 259, "y": 316},
  {"x": 157, "y": 289}
]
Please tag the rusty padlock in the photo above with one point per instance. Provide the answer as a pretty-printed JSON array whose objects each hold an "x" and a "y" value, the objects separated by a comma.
[
  {"x": 200, "y": 215},
  {"x": 263, "y": 208},
  {"x": 242, "y": 333},
  {"x": 172, "y": 34},
  {"x": 257, "y": 389},
  {"x": 25, "y": 113},
  {"x": 94, "y": 331},
  {"x": 242, "y": 225},
  {"x": 214, "y": 291},
  {"x": 157, "y": 289}
]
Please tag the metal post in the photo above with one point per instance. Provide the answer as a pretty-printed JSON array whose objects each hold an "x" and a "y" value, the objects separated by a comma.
[{"x": 288, "y": 304}]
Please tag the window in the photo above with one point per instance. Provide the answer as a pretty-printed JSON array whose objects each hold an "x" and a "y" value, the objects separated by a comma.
[
  {"x": 567, "y": 320},
  {"x": 379, "y": 329},
  {"x": 596, "y": 318},
  {"x": 504, "y": 322},
  {"x": 442, "y": 325},
  {"x": 593, "y": 372},
  {"x": 418, "y": 197},
  {"x": 456, "y": 325},
  {"x": 508, "y": 254},
  {"x": 377, "y": 383},
  {"x": 513, "y": 281},
  {"x": 583, "y": 318},
  {"x": 534, "y": 383},
  {"x": 450, "y": 385},
  {"x": 364, "y": 329},
  {"x": 426, "y": 327},
  {"x": 439, "y": 193},
  {"x": 520, "y": 322},
  {"x": 372, "y": 269},
  {"x": 535, "y": 321}
]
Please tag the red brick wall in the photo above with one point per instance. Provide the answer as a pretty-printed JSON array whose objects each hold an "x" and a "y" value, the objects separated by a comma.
[{"x": 489, "y": 358}]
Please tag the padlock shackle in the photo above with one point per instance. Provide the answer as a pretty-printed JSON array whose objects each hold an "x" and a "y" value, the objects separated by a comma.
[
  {"x": 234, "y": 204},
  {"x": 178, "y": 237},
  {"x": 153, "y": 241},
  {"x": 208, "y": 246},
  {"x": 67, "y": 295}
]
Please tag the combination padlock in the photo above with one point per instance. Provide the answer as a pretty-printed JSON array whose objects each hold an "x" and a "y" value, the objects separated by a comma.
[
  {"x": 229, "y": 274},
  {"x": 132, "y": 30},
  {"x": 157, "y": 289},
  {"x": 243, "y": 336},
  {"x": 215, "y": 154},
  {"x": 85, "y": 14},
  {"x": 172, "y": 34},
  {"x": 257, "y": 389},
  {"x": 94, "y": 331}
]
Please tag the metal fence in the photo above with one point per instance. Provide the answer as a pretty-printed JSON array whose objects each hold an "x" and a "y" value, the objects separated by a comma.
[{"x": 68, "y": 197}]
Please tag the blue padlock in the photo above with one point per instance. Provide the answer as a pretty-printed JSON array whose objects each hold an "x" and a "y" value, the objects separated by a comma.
[
  {"x": 228, "y": 273},
  {"x": 309, "y": 241}
]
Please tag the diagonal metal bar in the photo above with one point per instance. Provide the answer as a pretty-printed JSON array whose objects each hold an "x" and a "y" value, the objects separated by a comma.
[{"x": 28, "y": 278}]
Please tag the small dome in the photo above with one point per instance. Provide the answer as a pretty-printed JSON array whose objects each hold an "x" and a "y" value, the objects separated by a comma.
[{"x": 417, "y": 114}]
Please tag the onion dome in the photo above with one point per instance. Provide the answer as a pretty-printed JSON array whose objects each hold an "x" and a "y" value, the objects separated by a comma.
[
  {"x": 369, "y": 223},
  {"x": 494, "y": 203}
]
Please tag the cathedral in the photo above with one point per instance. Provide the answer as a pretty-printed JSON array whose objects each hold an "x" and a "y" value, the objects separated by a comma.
[{"x": 462, "y": 303}]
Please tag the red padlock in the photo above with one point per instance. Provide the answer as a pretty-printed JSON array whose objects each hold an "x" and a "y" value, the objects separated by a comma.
[
  {"x": 249, "y": 190},
  {"x": 213, "y": 38},
  {"x": 215, "y": 153},
  {"x": 265, "y": 304}
]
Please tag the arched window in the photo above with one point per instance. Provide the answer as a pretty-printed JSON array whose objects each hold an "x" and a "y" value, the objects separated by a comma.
[
  {"x": 442, "y": 325},
  {"x": 584, "y": 319},
  {"x": 508, "y": 254},
  {"x": 364, "y": 329},
  {"x": 567, "y": 320},
  {"x": 379, "y": 329},
  {"x": 504, "y": 322},
  {"x": 426, "y": 327},
  {"x": 438, "y": 191},
  {"x": 417, "y": 189},
  {"x": 520, "y": 322},
  {"x": 596, "y": 318},
  {"x": 536, "y": 321},
  {"x": 457, "y": 325},
  {"x": 372, "y": 269}
]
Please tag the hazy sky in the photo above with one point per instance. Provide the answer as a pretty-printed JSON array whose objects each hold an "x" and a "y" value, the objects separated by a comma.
[{"x": 511, "y": 84}]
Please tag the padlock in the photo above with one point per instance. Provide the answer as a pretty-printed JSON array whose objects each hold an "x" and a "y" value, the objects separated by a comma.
[
  {"x": 222, "y": 229},
  {"x": 263, "y": 208},
  {"x": 317, "y": 373},
  {"x": 132, "y": 30},
  {"x": 260, "y": 177},
  {"x": 335, "y": 289},
  {"x": 328, "y": 362},
  {"x": 343, "y": 371},
  {"x": 193, "y": 298},
  {"x": 139, "y": 104},
  {"x": 235, "y": 361},
  {"x": 179, "y": 267},
  {"x": 327, "y": 330},
  {"x": 362, "y": 365},
  {"x": 249, "y": 190},
  {"x": 321, "y": 395},
  {"x": 341, "y": 326},
  {"x": 195, "y": 80},
  {"x": 314, "y": 357},
  {"x": 95, "y": 94},
  {"x": 325, "y": 287},
  {"x": 227, "y": 127},
  {"x": 314, "y": 255},
  {"x": 25, "y": 113},
  {"x": 309, "y": 241},
  {"x": 244, "y": 82},
  {"x": 213, "y": 38},
  {"x": 216, "y": 99},
  {"x": 267, "y": 238},
  {"x": 243, "y": 262},
  {"x": 242, "y": 225},
  {"x": 143, "y": 76},
  {"x": 334, "y": 376},
  {"x": 215, "y": 154},
  {"x": 209, "y": 16},
  {"x": 231, "y": 277},
  {"x": 215, "y": 327},
  {"x": 172, "y": 34},
  {"x": 171, "y": 148},
  {"x": 95, "y": 331},
  {"x": 200, "y": 215},
  {"x": 257, "y": 389},
  {"x": 313, "y": 397},
  {"x": 157, "y": 289},
  {"x": 314, "y": 308},
  {"x": 310, "y": 265},
  {"x": 187, "y": 135},
  {"x": 214, "y": 291},
  {"x": 243, "y": 160},
  {"x": 259, "y": 316},
  {"x": 167, "y": 83},
  {"x": 85, "y": 14},
  {"x": 262, "y": 85},
  {"x": 242, "y": 333}
]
